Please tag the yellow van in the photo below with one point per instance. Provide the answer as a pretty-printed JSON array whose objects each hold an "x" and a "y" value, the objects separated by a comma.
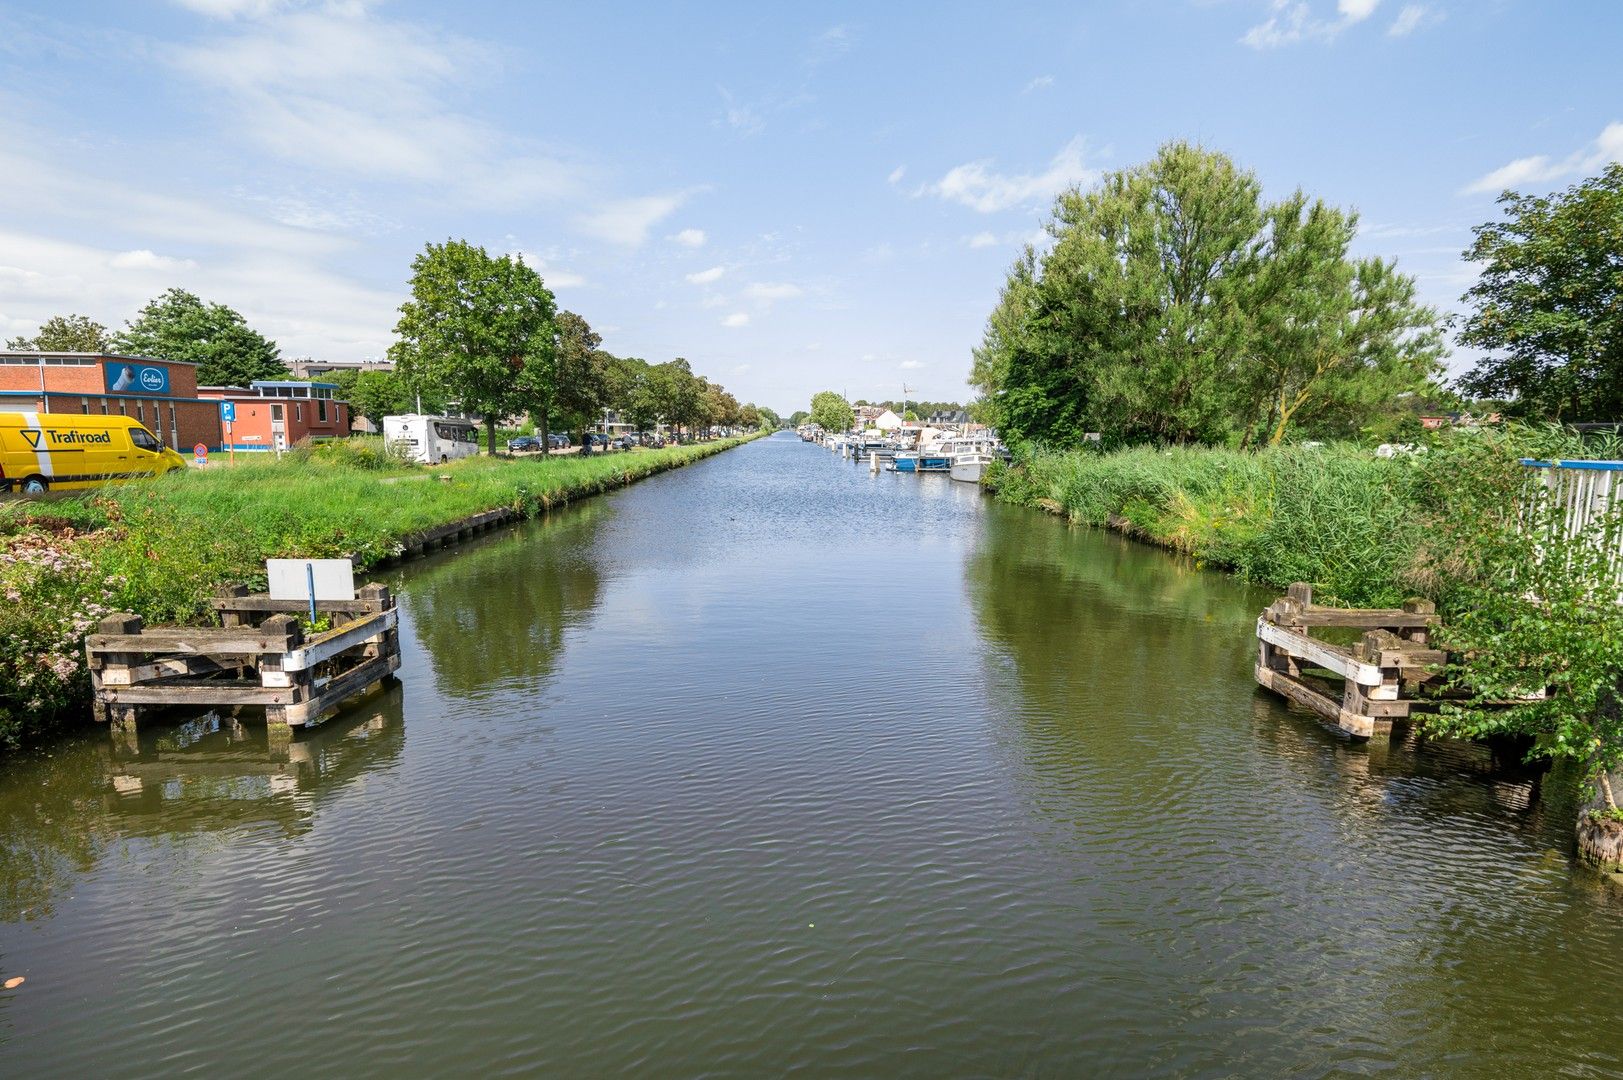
[{"x": 41, "y": 451}]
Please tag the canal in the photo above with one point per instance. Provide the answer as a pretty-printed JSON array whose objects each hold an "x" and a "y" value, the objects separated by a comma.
[{"x": 770, "y": 764}]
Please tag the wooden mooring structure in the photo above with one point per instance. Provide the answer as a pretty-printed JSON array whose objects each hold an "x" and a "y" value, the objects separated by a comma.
[
  {"x": 257, "y": 657},
  {"x": 1383, "y": 676}
]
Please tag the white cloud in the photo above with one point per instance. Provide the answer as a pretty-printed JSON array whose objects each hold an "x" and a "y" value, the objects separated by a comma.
[
  {"x": 705, "y": 277},
  {"x": 911, "y": 365},
  {"x": 982, "y": 240},
  {"x": 736, "y": 319},
  {"x": 1041, "y": 82},
  {"x": 627, "y": 221},
  {"x": 1408, "y": 20},
  {"x": 693, "y": 238},
  {"x": 279, "y": 276},
  {"x": 343, "y": 90},
  {"x": 144, "y": 259},
  {"x": 896, "y": 174},
  {"x": 975, "y": 185},
  {"x": 1293, "y": 21},
  {"x": 765, "y": 293},
  {"x": 740, "y": 116},
  {"x": 1605, "y": 148},
  {"x": 232, "y": 9}
]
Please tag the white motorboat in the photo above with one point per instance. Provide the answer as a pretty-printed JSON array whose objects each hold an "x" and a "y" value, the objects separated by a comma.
[{"x": 969, "y": 456}]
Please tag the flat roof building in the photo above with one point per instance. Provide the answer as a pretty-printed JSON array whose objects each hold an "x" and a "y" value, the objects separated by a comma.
[
  {"x": 274, "y": 414},
  {"x": 161, "y": 395}
]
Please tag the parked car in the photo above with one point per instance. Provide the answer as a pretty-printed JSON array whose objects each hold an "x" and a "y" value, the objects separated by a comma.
[
  {"x": 557, "y": 440},
  {"x": 625, "y": 442},
  {"x": 522, "y": 444}
]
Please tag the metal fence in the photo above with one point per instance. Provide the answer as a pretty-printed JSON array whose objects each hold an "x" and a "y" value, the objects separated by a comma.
[{"x": 1584, "y": 500}]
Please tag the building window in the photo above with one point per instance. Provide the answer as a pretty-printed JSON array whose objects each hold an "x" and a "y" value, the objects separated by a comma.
[
  {"x": 123, "y": 407},
  {"x": 298, "y": 414},
  {"x": 321, "y": 410},
  {"x": 84, "y": 405},
  {"x": 104, "y": 406},
  {"x": 174, "y": 428},
  {"x": 141, "y": 411}
]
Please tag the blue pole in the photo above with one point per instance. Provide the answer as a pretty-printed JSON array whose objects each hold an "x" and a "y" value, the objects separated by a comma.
[{"x": 310, "y": 580}]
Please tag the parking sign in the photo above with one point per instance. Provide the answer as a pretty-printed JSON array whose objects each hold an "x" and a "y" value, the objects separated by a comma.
[{"x": 228, "y": 411}]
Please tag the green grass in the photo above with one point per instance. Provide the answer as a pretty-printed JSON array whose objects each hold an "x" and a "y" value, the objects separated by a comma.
[
  {"x": 162, "y": 548},
  {"x": 1353, "y": 525}
]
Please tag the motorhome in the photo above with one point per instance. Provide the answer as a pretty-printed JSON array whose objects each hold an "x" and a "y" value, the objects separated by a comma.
[
  {"x": 431, "y": 439},
  {"x": 45, "y": 451}
]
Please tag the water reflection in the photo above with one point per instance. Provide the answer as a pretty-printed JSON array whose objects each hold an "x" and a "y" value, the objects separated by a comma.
[
  {"x": 62, "y": 811},
  {"x": 491, "y": 622}
]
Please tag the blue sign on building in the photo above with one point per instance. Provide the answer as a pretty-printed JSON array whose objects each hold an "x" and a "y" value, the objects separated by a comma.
[
  {"x": 228, "y": 411},
  {"x": 127, "y": 377}
]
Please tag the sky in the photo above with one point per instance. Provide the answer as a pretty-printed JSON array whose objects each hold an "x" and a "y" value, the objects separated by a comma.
[{"x": 794, "y": 197}]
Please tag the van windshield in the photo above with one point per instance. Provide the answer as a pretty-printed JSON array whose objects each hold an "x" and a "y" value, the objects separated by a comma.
[{"x": 143, "y": 440}]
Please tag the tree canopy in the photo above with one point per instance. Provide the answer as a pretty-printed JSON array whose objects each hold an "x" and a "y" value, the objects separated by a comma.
[
  {"x": 1548, "y": 305},
  {"x": 1176, "y": 306},
  {"x": 473, "y": 322},
  {"x": 180, "y": 326},
  {"x": 65, "y": 333},
  {"x": 831, "y": 412}
]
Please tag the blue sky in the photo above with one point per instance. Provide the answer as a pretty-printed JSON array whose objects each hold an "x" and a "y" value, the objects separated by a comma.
[{"x": 795, "y": 197}]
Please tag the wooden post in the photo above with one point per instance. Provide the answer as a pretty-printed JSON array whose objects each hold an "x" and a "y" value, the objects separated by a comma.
[
  {"x": 228, "y": 617},
  {"x": 1361, "y": 713},
  {"x": 1415, "y": 606},
  {"x": 271, "y": 664},
  {"x": 121, "y": 623}
]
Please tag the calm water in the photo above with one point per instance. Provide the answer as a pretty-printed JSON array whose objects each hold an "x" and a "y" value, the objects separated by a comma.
[{"x": 768, "y": 765}]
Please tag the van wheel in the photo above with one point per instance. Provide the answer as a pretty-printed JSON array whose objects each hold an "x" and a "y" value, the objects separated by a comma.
[
  {"x": 35, "y": 485},
  {"x": 443, "y": 459}
]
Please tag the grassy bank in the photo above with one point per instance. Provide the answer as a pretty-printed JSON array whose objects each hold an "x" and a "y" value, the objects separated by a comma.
[
  {"x": 1365, "y": 531},
  {"x": 161, "y": 548}
]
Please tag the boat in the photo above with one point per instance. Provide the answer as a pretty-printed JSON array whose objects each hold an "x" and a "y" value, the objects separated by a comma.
[{"x": 970, "y": 455}]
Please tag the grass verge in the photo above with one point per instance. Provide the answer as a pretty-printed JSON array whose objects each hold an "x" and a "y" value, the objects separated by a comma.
[{"x": 161, "y": 548}]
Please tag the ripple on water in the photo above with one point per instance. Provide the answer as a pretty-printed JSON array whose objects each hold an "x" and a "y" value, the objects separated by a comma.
[{"x": 768, "y": 764}]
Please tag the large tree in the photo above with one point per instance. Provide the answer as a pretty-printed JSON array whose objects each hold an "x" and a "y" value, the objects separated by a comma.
[
  {"x": 1176, "y": 306},
  {"x": 582, "y": 373},
  {"x": 180, "y": 326},
  {"x": 1548, "y": 306},
  {"x": 472, "y": 323},
  {"x": 65, "y": 333},
  {"x": 831, "y": 412}
]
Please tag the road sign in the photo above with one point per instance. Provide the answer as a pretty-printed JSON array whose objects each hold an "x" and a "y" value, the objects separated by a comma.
[
  {"x": 228, "y": 411},
  {"x": 201, "y": 453}
]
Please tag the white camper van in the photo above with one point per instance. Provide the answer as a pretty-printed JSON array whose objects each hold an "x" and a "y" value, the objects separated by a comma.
[{"x": 431, "y": 438}]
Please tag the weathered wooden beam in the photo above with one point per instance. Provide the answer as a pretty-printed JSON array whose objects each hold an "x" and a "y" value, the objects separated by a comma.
[
  {"x": 197, "y": 694},
  {"x": 1282, "y": 684},
  {"x": 205, "y": 641},
  {"x": 1364, "y": 618},
  {"x": 327, "y": 645},
  {"x": 257, "y": 604},
  {"x": 175, "y": 667},
  {"x": 1334, "y": 658},
  {"x": 339, "y": 690}
]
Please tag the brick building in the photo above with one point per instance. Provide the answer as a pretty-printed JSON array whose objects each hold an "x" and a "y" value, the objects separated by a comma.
[
  {"x": 276, "y": 414},
  {"x": 161, "y": 394}
]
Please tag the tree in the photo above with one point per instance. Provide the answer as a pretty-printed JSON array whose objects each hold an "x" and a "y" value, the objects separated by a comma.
[
  {"x": 376, "y": 394},
  {"x": 831, "y": 412},
  {"x": 1326, "y": 334},
  {"x": 472, "y": 323},
  {"x": 1175, "y": 306},
  {"x": 583, "y": 373},
  {"x": 1549, "y": 302},
  {"x": 179, "y": 326},
  {"x": 798, "y": 417},
  {"x": 65, "y": 333}
]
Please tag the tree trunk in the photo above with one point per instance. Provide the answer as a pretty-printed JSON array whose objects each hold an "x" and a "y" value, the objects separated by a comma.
[
  {"x": 490, "y": 434},
  {"x": 546, "y": 447}
]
